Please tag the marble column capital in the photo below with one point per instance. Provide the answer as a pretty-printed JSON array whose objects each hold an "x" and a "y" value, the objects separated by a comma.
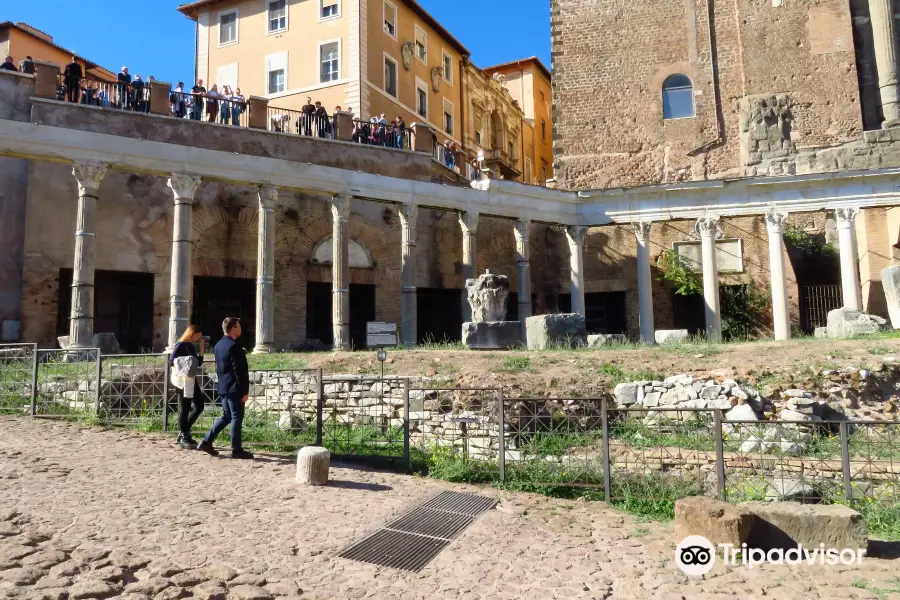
[
  {"x": 575, "y": 234},
  {"x": 89, "y": 175},
  {"x": 409, "y": 214},
  {"x": 184, "y": 186},
  {"x": 340, "y": 207},
  {"x": 520, "y": 230},
  {"x": 846, "y": 217},
  {"x": 268, "y": 196},
  {"x": 775, "y": 221},
  {"x": 642, "y": 230},
  {"x": 468, "y": 221},
  {"x": 708, "y": 226}
]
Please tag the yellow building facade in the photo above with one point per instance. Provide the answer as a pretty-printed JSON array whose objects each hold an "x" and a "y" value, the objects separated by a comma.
[
  {"x": 372, "y": 57},
  {"x": 20, "y": 40}
]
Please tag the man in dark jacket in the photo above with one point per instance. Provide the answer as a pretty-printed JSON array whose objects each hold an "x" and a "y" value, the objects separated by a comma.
[
  {"x": 233, "y": 387},
  {"x": 27, "y": 66},
  {"x": 73, "y": 75},
  {"x": 124, "y": 85},
  {"x": 8, "y": 64}
]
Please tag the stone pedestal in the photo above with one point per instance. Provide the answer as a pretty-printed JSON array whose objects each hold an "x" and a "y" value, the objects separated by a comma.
[
  {"x": 343, "y": 126},
  {"x": 258, "y": 109},
  {"x": 159, "y": 97},
  {"x": 890, "y": 279},
  {"x": 312, "y": 465},
  {"x": 496, "y": 335}
]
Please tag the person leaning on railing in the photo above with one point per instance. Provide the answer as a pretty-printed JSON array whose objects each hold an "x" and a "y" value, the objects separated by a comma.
[
  {"x": 197, "y": 93},
  {"x": 238, "y": 106},
  {"x": 225, "y": 105},
  {"x": 124, "y": 82}
]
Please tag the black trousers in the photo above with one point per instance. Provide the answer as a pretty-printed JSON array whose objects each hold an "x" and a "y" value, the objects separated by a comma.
[
  {"x": 189, "y": 410},
  {"x": 72, "y": 85}
]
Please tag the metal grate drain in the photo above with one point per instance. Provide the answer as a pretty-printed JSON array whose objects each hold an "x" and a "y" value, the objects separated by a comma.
[{"x": 415, "y": 538}]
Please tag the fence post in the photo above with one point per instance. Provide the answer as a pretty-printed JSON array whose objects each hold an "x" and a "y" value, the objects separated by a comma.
[
  {"x": 320, "y": 405},
  {"x": 34, "y": 381},
  {"x": 604, "y": 419},
  {"x": 501, "y": 463},
  {"x": 845, "y": 459},
  {"x": 99, "y": 375},
  {"x": 198, "y": 390},
  {"x": 405, "y": 420},
  {"x": 720, "y": 454}
]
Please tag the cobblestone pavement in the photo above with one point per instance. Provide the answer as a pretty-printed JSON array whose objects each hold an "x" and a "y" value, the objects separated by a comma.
[{"x": 92, "y": 513}]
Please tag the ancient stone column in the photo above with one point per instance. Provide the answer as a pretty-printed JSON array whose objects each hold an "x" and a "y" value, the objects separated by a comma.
[
  {"x": 882, "y": 14},
  {"x": 524, "y": 268},
  {"x": 81, "y": 327},
  {"x": 781, "y": 316},
  {"x": 708, "y": 227},
  {"x": 846, "y": 226},
  {"x": 409, "y": 213},
  {"x": 645, "y": 282},
  {"x": 265, "y": 271},
  {"x": 340, "y": 271},
  {"x": 575, "y": 236},
  {"x": 183, "y": 187},
  {"x": 468, "y": 221}
]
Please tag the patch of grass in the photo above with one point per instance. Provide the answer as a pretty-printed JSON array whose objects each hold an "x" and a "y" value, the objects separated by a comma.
[
  {"x": 515, "y": 364},
  {"x": 615, "y": 373},
  {"x": 860, "y": 584},
  {"x": 276, "y": 361},
  {"x": 880, "y": 350},
  {"x": 640, "y": 532}
]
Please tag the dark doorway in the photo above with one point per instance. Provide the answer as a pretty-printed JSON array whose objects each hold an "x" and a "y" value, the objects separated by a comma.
[
  {"x": 218, "y": 297},
  {"x": 604, "y": 311},
  {"x": 123, "y": 305},
  {"x": 439, "y": 314},
  {"x": 816, "y": 301},
  {"x": 318, "y": 312},
  {"x": 512, "y": 306},
  {"x": 689, "y": 312}
]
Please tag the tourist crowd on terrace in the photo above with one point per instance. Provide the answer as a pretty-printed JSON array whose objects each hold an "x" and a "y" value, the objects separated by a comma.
[{"x": 228, "y": 106}]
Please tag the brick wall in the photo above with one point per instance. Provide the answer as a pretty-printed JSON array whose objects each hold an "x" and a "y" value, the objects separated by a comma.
[{"x": 608, "y": 125}]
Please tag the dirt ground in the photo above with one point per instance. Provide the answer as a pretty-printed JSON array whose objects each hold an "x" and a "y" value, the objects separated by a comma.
[
  {"x": 93, "y": 513},
  {"x": 583, "y": 372}
]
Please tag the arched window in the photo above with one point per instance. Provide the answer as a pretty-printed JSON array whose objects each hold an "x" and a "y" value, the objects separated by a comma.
[
  {"x": 678, "y": 97},
  {"x": 359, "y": 255}
]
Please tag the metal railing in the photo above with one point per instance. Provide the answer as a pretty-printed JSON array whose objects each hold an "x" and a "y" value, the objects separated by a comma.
[
  {"x": 284, "y": 120},
  {"x": 94, "y": 92},
  {"x": 377, "y": 133},
  {"x": 226, "y": 110}
]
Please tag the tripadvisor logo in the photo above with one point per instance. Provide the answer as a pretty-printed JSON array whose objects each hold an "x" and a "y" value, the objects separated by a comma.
[{"x": 696, "y": 556}]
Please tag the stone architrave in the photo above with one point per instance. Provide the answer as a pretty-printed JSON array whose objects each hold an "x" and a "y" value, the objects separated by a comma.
[
  {"x": 81, "y": 326},
  {"x": 487, "y": 297},
  {"x": 265, "y": 270},
  {"x": 183, "y": 188},
  {"x": 890, "y": 279}
]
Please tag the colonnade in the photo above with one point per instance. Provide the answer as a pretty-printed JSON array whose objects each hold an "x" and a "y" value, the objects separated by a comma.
[{"x": 184, "y": 187}]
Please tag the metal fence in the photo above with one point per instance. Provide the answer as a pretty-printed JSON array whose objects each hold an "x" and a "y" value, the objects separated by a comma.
[
  {"x": 133, "y": 390},
  {"x": 816, "y": 301},
  {"x": 285, "y": 120},
  {"x": 16, "y": 377},
  {"x": 66, "y": 383}
]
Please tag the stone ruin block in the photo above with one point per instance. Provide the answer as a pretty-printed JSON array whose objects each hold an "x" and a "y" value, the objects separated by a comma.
[
  {"x": 487, "y": 297},
  {"x": 548, "y": 331},
  {"x": 496, "y": 335},
  {"x": 890, "y": 279},
  {"x": 846, "y": 322}
]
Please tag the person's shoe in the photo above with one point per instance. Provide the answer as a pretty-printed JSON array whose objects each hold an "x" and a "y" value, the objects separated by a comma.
[
  {"x": 180, "y": 438},
  {"x": 190, "y": 441},
  {"x": 241, "y": 454},
  {"x": 207, "y": 447},
  {"x": 188, "y": 444}
]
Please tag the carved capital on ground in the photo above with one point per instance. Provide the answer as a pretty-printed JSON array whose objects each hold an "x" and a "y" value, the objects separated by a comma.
[
  {"x": 89, "y": 175},
  {"x": 340, "y": 207},
  {"x": 184, "y": 186},
  {"x": 268, "y": 196},
  {"x": 846, "y": 217}
]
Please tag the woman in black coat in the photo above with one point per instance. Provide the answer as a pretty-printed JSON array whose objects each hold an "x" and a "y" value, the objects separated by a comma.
[{"x": 186, "y": 416}]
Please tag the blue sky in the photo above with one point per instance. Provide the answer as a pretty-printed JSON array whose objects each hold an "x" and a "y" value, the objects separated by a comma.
[{"x": 152, "y": 38}]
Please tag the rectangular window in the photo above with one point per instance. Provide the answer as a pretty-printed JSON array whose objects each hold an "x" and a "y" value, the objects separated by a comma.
[
  {"x": 329, "y": 9},
  {"x": 478, "y": 137},
  {"x": 447, "y": 68},
  {"x": 277, "y": 16},
  {"x": 527, "y": 170},
  {"x": 228, "y": 27},
  {"x": 543, "y": 129},
  {"x": 390, "y": 19},
  {"x": 329, "y": 62},
  {"x": 276, "y": 73},
  {"x": 542, "y": 96},
  {"x": 421, "y": 99},
  {"x": 448, "y": 117},
  {"x": 543, "y": 174},
  {"x": 227, "y": 75},
  {"x": 421, "y": 45},
  {"x": 390, "y": 76},
  {"x": 511, "y": 148}
]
